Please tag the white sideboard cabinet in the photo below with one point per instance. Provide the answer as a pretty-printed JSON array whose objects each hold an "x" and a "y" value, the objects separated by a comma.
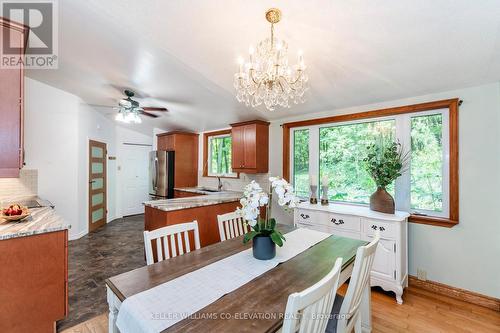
[{"x": 390, "y": 267}]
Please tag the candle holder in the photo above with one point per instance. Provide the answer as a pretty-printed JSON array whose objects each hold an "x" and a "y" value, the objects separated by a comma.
[
  {"x": 313, "y": 198},
  {"x": 324, "y": 195}
]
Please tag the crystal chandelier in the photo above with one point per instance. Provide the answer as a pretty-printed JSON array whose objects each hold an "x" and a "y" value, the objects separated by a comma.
[{"x": 267, "y": 77}]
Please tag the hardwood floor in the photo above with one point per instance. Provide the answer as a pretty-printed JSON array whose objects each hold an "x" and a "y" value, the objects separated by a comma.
[{"x": 422, "y": 312}]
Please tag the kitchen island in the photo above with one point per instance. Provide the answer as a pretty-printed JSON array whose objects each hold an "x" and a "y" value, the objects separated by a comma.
[
  {"x": 34, "y": 272},
  {"x": 204, "y": 208}
]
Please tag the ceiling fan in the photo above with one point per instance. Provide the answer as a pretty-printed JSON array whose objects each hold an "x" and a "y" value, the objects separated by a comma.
[{"x": 130, "y": 109}]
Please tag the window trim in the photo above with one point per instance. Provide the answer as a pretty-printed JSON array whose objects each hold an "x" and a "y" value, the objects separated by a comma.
[
  {"x": 206, "y": 137},
  {"x": 451, "y": 104}
]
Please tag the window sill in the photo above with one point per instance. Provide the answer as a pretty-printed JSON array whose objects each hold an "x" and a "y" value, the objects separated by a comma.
[{"x": 435, "y": 221}]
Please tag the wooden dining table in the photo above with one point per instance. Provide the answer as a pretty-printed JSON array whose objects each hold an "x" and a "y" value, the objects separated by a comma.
[{"x": 257, "y": 306}]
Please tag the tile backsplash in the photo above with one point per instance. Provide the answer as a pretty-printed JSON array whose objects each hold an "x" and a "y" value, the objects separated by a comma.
[
  {"x": 235, "y": 184},
  {"x": 25, "y": 185}
]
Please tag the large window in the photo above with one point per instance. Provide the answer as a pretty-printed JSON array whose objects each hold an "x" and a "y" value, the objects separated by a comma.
[
  {"x": 427, "y": 163},
  {"x": 335, "y": 150},
  {"x": 301, "y": 162},
  {"x": 217, "y": 148},
  {"x": 341, "y": 152}
]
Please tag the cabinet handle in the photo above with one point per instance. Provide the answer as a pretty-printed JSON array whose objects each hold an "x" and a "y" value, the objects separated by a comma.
[
  {"x": 304, "y": 216},
  {"x": 374, "y": 227},
  {"x": 339, "y": 222}
]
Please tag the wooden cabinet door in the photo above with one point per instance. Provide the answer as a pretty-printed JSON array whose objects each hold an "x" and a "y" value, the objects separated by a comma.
[
  {"x": 11, "y": 85},
  {"x": 250, "y": 146},
  {"x": 166, "y": 142},
  {"x": 384, "y": 264},
  {"x": 238, "y": 147}
]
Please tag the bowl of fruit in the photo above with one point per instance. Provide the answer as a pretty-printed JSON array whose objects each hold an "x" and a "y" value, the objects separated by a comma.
[{"x": 15, "y": 213}]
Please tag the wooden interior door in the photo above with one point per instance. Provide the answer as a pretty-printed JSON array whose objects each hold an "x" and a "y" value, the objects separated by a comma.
[{"x": 97, "y": 185}]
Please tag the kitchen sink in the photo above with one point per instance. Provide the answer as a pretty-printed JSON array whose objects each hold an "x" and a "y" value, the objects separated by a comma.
[{"x": 208, "y": 189}]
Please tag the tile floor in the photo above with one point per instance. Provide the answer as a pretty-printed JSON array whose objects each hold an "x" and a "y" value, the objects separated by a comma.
[{"x": 113, "y": 249}]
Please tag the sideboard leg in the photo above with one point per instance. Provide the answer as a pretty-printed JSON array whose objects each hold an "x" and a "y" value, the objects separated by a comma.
[{"x": 399, "y": 294}]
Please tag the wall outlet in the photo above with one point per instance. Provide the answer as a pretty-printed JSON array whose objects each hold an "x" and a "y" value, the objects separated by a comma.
[{"x": 421, "y": 274}]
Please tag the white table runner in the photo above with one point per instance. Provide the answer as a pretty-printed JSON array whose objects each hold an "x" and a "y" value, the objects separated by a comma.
[{"x": 160, "y": 307}]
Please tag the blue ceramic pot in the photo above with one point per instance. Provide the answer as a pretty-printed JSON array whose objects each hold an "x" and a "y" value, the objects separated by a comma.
[{"x": 263, "y": 247}]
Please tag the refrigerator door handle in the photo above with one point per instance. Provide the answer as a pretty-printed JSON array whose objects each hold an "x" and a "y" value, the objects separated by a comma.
[{"x": 155, "y": 182}]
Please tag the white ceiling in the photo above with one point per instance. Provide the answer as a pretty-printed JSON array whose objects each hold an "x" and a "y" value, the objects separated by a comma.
[{"x": 182, "y": 54}]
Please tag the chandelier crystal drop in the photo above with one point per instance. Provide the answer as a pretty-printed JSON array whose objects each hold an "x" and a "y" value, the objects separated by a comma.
[{"x": 267, "y": 77}]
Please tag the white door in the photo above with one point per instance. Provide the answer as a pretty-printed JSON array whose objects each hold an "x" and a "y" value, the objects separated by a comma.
[{"x": 135, "y": 170}]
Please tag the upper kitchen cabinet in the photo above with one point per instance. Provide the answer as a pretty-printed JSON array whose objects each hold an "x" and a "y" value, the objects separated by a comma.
[
  {"x": 250, "y": 147},
  {"x": 185, "y": 145},
  {"x": 11, "y": 103}
]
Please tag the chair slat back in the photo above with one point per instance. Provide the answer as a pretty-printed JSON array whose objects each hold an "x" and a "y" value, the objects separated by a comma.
[
  {"x": 166, "y": 245},
  {"x": 231, "y": 225},
  {"x": 360, "y": 277},
  {"x": 309, "y": 310}
]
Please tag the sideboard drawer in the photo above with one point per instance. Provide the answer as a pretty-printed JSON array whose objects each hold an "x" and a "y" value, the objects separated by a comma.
[
  {"x": 387, "y": 230},
  {"x": 344, "y": 222},
  {"x": 310, "y": 216}
]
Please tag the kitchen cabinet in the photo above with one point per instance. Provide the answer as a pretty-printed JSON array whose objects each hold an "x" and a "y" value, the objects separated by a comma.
[
  {"x": 185, "y": 194},
  {"x": 34, "y": 277},
  {"x": 250, "y": 147},
  {"x": 206, "y": 216},
  {"x": 11, "y": 104},
  {"x": 185, "y": 145}
]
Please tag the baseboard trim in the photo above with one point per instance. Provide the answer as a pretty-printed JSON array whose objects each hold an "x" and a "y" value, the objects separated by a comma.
[
  {"x": 456, "y": 293},
  {"x": 78, "y": 235}
]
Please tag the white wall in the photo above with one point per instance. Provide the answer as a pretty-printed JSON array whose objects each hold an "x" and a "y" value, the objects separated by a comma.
[
  {"x": 58, "y": 126},
  {"x": 467, "y": 255},
  {"x": 51, "y": 146}
]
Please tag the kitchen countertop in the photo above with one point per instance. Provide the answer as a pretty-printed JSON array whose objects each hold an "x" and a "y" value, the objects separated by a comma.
[
  {"x": 42, "y": 220},
  {"x": 210, "y": 198}
]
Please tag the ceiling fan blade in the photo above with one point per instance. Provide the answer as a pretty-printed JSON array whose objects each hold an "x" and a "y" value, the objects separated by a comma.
[
  {"x": 148, "y": 114},
  {"x": 103, "y": 106},
  {"x": 146, "y": 108}
]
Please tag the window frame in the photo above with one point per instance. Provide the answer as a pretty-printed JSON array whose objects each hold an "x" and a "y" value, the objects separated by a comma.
[
  {"x": 449, "y": 217},
  {"x": 206, "y": 153}
]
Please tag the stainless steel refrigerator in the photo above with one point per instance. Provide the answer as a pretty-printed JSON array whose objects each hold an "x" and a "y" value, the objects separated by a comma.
[{"x": 161, "y": 174}]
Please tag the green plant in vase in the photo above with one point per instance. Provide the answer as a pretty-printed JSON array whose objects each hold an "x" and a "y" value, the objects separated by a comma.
[
  {"x": 263, "y": 232},
  {"x": 385, "y": 161}
]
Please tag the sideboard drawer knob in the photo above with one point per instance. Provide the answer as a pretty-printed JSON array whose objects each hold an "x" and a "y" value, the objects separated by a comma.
[
  {"x": 382, "y": 228},
  {"x": 374, "y": 227}
]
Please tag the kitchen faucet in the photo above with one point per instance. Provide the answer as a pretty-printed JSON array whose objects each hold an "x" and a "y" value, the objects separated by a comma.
[{"x": 219, "y": 187}]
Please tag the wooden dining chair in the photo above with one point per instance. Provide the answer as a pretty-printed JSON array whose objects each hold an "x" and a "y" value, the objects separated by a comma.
[
  {"x": 168, "y": 235},
  {"x": 231, "y": 225},
  {"x": 346, "y": 314},
  {"x": 309, "y": 310}
]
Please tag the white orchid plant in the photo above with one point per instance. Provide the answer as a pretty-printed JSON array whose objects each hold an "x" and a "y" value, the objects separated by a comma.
[{"x": 254, "y": 198}]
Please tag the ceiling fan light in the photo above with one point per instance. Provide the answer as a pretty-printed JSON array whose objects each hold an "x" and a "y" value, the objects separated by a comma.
[
  {"x": 125, "y": 103},
  {"x": 119, "y": 117}
]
